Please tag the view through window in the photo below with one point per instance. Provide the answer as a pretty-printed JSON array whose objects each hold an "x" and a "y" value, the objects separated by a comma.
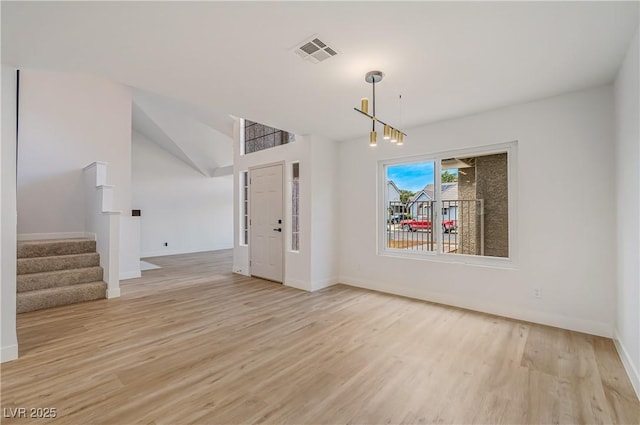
[{"x": 469, "y": 214}]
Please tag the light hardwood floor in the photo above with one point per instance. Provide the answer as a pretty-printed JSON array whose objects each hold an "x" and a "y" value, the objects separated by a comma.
[{"x": 193, "y": 343}]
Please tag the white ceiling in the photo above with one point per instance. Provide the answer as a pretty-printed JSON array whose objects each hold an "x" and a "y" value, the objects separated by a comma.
[{"x": 446, "y": 58}]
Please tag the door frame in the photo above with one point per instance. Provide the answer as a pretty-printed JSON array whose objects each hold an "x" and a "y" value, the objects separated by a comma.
[{"x": 284, "y": 215}]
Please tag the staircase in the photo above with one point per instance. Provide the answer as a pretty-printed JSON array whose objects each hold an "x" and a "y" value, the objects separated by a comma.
[{"x": 58, "y": 272}]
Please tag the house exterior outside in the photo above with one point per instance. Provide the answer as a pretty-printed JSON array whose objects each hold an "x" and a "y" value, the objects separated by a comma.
[
  {"x": 393, "y": 197},
  {"x": 420, "y": 204}
]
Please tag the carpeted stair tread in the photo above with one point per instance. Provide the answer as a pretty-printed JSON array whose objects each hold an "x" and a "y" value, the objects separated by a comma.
[
  {"x": 58, "y": 262},
  {"x": 54, "y": 297},
  {"x": 54, "y": 279},
  {"x": 58, "y": 272},
  {"x": 55, "y": 247}
]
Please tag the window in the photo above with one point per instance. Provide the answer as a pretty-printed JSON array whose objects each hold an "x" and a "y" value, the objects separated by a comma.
[
  {"x": 256, "y": 137},
  {"x": 244, "y": 231},
  {"x": 410, "y": 206},
  {"x": 295, "y": 206},
  {"x": 450, "y": 205}
]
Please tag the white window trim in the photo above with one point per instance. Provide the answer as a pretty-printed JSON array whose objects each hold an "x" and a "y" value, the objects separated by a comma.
[
  {"x": 496, "y": 262},
  {"x": 241, "y": 138}
]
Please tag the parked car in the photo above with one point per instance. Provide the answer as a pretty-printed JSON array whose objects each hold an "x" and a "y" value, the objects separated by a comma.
[
  {"x": 415, "y": 225},
  {"x": 397, "y": 218}
]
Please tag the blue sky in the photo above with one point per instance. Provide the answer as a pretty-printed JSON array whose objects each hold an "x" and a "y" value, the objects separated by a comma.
[{"x": 413, "y": 177}]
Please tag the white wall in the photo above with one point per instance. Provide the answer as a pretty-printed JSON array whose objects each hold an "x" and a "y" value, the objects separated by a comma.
[
  {"x": 627, "y": 151},
  {"x": 9, "y": 341},
  {"x": 565, "y": 163},
  {"x": 67, "y": 121},
  {"x": 130, "y": 239},
  {"x": 325, "y": 212},
  {"x": 180, "y": 206}
]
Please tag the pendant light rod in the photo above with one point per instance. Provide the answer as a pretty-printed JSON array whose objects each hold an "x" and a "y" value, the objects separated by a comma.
[{"x": 373, "y": 83}]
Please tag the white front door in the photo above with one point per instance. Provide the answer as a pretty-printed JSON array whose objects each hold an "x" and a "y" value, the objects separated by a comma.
[{"x": 267, "y": 222}]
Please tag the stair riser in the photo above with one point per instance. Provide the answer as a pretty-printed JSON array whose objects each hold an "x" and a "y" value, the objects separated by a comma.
[
  {"x": 48, "y": 264},
  {"x": 39, "y": 300},
  {"x": 36, "y": 281},
  {"x": 48, "y": 249}
]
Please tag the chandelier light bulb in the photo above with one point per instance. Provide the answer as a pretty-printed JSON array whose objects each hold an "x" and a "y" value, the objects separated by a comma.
[{"x": 364, "y": 105}]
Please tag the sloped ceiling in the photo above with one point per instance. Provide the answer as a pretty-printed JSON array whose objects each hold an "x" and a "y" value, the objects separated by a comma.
[
  {"x": 177, "y": 129},
  {"x": 143, "y": 124},
  {"x": 446, "y": 58}
]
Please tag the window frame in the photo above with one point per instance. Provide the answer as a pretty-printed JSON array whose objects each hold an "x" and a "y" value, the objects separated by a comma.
[{"x": 510, "y": 262}]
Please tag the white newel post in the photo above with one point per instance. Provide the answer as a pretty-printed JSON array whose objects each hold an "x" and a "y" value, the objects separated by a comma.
[{"x": 104, "y": 222}]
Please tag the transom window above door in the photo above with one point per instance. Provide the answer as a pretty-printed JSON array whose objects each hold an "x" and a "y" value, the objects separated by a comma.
[{"x": 255, "y": 137}]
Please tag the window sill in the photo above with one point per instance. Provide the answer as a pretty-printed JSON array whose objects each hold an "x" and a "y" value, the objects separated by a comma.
[{"x": 468, "y": 260}]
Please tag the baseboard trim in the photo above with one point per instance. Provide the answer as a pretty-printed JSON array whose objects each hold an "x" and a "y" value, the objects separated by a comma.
[
  {"x": 8, "y": 353},
  {"x": 131, "y": 275},
  {"x": 163, "y": 253},
  {"x": 59, "y": 235},
  {"x": 239, "y": 270},
  {"x": 323, "y": 283},
  {"x": 298, "y": 284},
  {"x": 512, "y": 312},
  {"x": 632, "y": 372},
  {"x": 113, "y": 293}
]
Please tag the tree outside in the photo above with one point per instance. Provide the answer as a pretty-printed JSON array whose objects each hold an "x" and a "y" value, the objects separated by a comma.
[
  {"x": 448, "y": 177},
  {"x": 405, "y": 195}
]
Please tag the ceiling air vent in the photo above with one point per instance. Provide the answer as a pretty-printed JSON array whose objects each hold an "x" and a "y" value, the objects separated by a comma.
[{"x": 314, "y": 50}]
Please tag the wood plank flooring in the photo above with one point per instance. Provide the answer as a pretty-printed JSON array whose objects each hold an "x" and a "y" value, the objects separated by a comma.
[{"x": 193, "y": 343}]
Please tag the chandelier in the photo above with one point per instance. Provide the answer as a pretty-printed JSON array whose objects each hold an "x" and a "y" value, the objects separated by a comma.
[{"x": 390, "y": 133}]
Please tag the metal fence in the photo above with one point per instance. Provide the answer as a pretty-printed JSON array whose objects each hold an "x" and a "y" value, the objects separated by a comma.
[{"x": 411, "y": 227}]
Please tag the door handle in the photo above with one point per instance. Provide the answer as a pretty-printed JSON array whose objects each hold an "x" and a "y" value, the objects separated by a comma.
[{"x": 279, "y": 229}]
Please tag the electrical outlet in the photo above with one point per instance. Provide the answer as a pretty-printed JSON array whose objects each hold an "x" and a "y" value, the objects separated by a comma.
[{"x": 537, "y": 292}]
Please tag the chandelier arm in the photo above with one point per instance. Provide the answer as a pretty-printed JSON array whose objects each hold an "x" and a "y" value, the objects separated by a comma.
[
  {"x": 377, "y": 119},
  {"x": 362, "y": 112}
]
